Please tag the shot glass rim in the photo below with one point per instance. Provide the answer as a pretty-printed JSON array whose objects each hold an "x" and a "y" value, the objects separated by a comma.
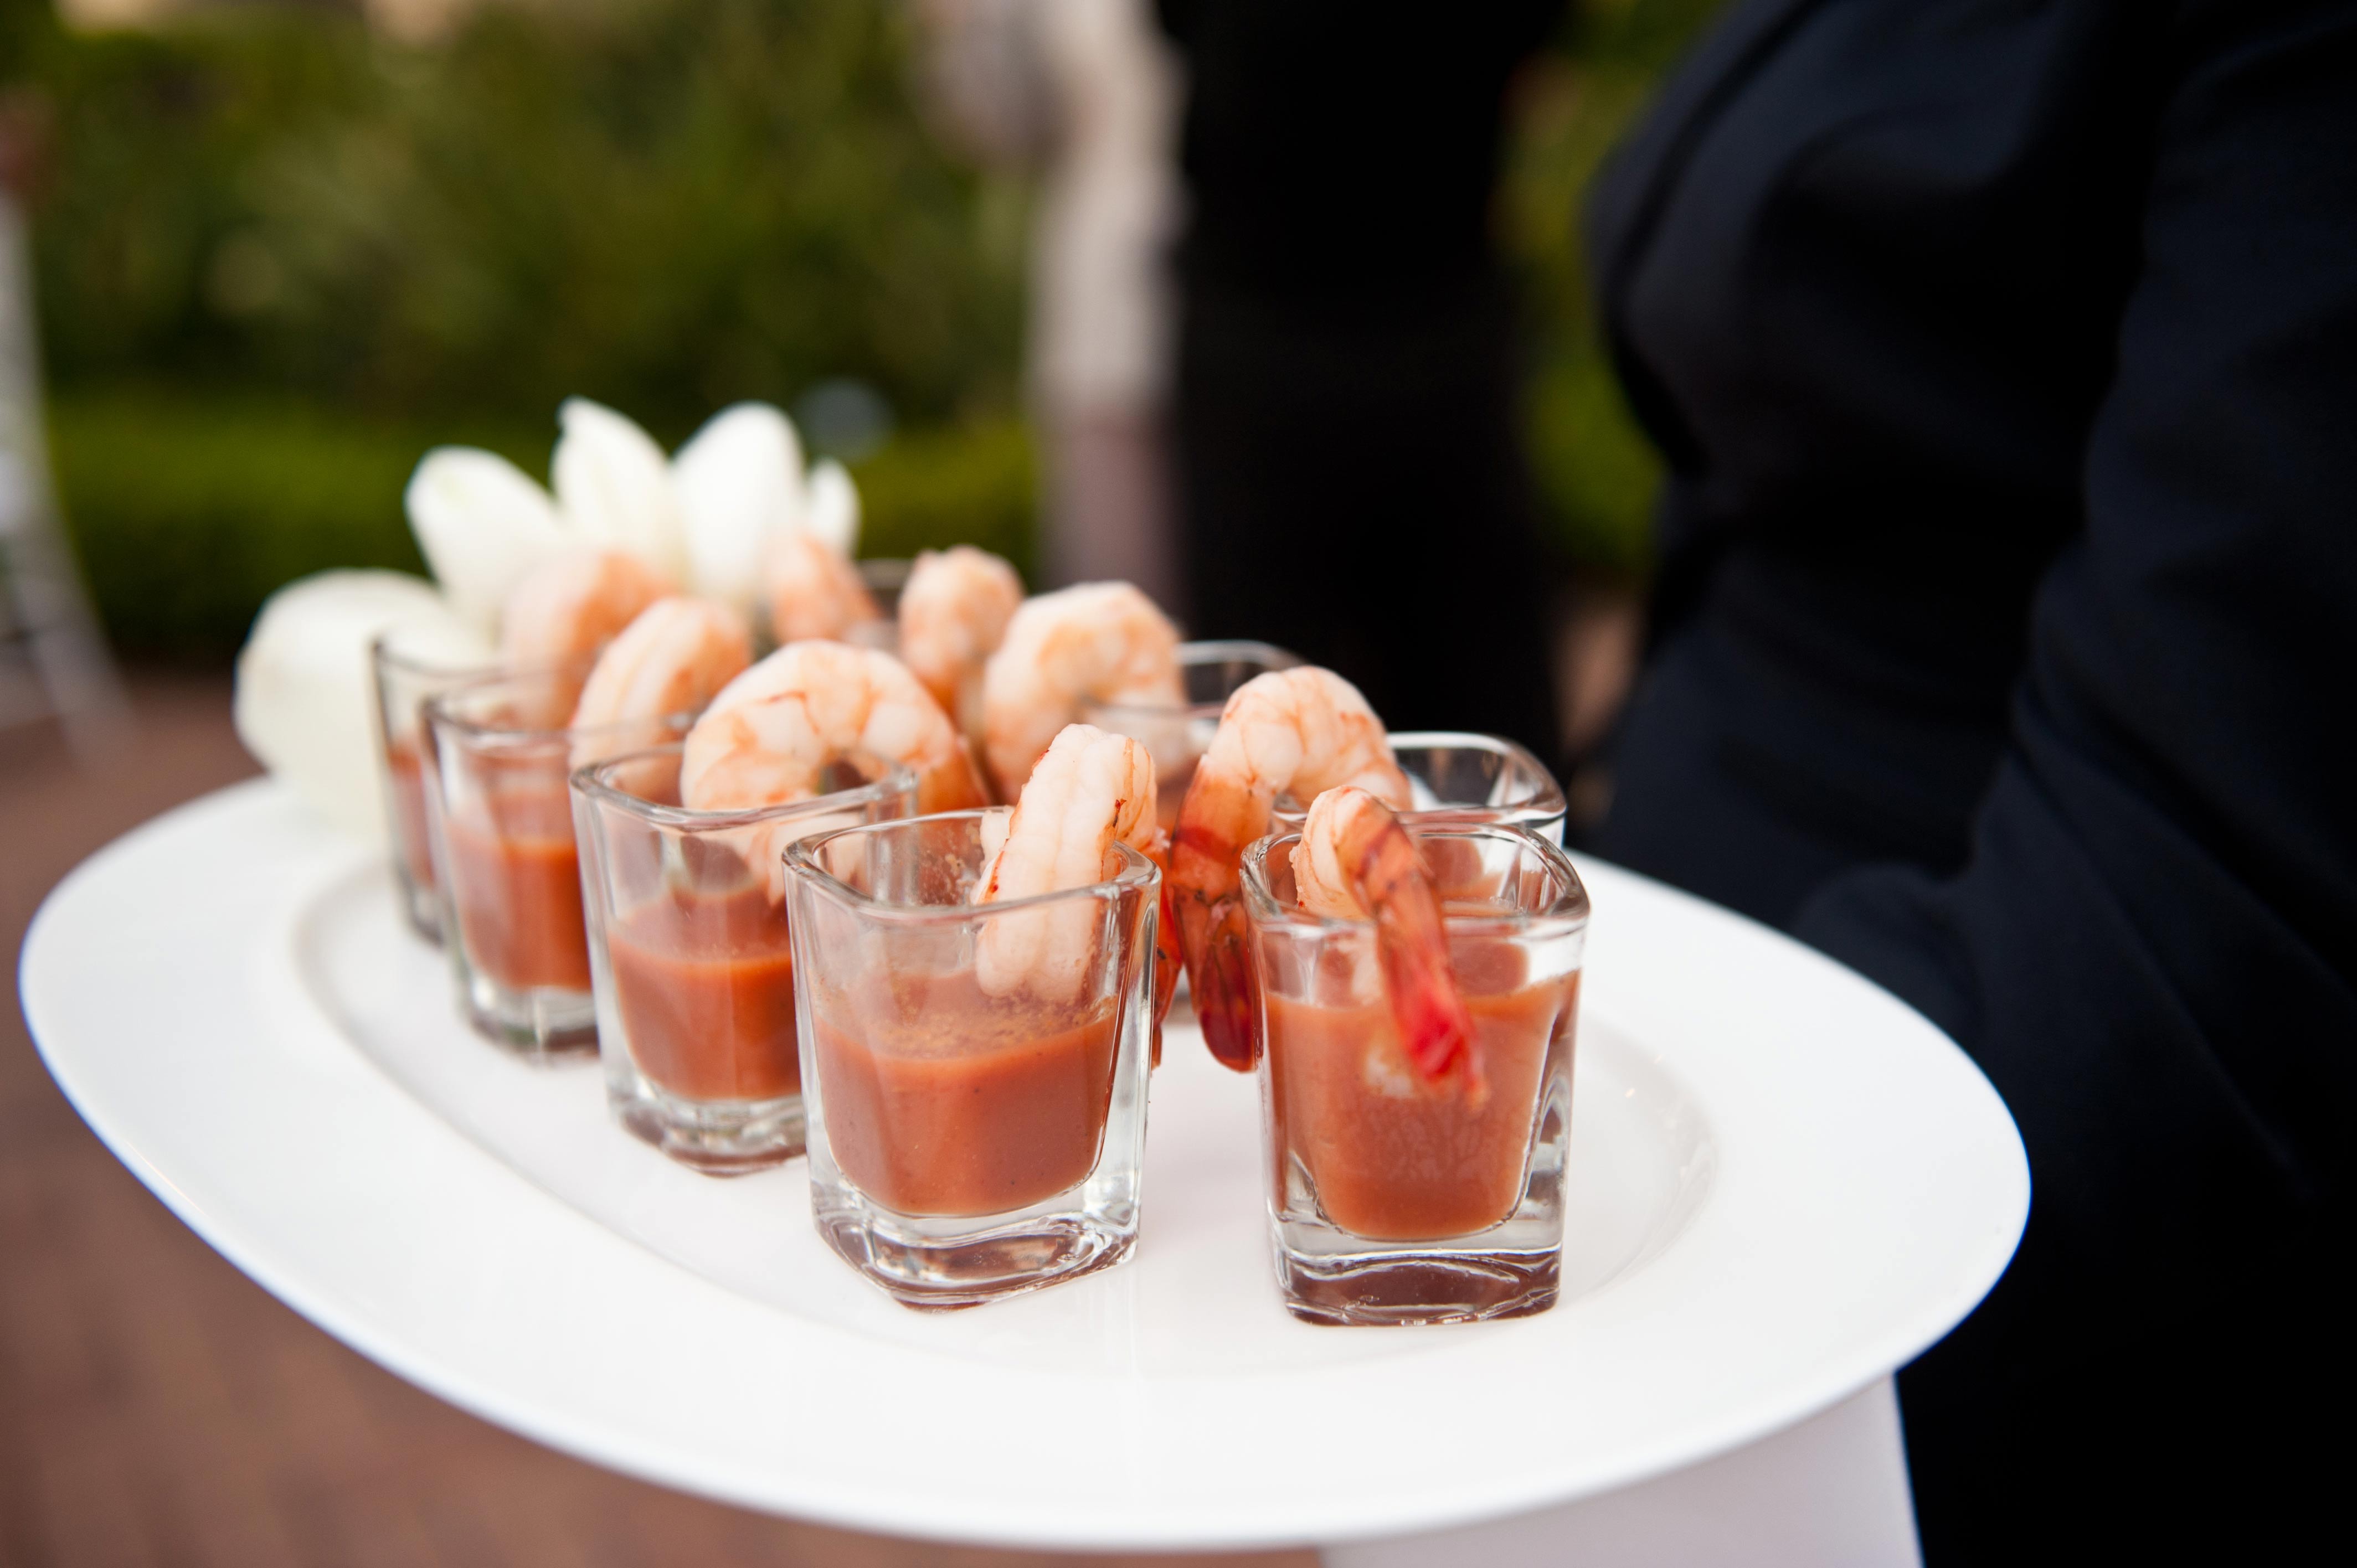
[
  {"x": 899, "y": 778},
  {"x": 1549, "y": 803},
  {"x": 1138, "y": 872},
  {"x": 1208, "y": 650},
  {"x": 438, "y": 713},
  {"x": 382, "y": 653},
  {"x": 1571, "y": 912}
]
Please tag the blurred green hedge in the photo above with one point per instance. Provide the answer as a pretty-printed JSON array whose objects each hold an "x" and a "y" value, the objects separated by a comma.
[
  {"x": 279, "y": 256},
  {"x": 1596, "y": 474},
  {"x": 187, "y": 514},
  {"x": 665, "y": 205}
]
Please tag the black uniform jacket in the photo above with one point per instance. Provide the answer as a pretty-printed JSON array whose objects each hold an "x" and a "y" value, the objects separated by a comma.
[{"x": 2005, "y": 356}]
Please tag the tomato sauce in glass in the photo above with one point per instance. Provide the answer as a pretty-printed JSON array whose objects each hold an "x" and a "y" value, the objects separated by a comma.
[
  {"x": 408, "y": 772},
  {"x": 941, "y": 1101},
  {"x": 1394, "y": 1158},
  {"x": 705, "y": 982},
  {"x": 515, "y": 880}
]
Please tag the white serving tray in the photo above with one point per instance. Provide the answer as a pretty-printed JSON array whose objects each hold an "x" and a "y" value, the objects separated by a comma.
[{"x": 1784, "y": 1183}]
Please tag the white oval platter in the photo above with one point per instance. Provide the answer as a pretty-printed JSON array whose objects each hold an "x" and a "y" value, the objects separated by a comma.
[{"x": 1784, "y": 1183}]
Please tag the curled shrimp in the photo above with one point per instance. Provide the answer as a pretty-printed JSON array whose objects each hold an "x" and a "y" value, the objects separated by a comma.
[
  {"x": 1091, "y": 790},
  {"x": 1102, "y": 642},
  {"x": 571, "y": 605},
  {"x": 812, "y": 591},
  {"x": 774, "y": 733},
  {"x": 1302, "y": 731},
  {"x": 954, "y": 615},
  {"x": 670, "y": 660},
  {"x": 1355, "y": 862}
]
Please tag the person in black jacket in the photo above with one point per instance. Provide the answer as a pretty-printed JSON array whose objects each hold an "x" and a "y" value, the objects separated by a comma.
[
  {"x": 2005, "y": 356},
  {"x": 1350, "y": 477}
]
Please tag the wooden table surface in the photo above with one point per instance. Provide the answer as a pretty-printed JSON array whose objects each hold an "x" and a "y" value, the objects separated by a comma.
[{"x": 158, "y": 1408}]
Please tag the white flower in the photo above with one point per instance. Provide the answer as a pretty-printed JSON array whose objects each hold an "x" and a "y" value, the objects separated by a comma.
[
  {"x": 739, "y": 480},
  {"x": 614, "y": 486},
  {"x": 304, "y": 706},
  {"x": 482, "y": 524},
  {"x": 832, "y": 509}
]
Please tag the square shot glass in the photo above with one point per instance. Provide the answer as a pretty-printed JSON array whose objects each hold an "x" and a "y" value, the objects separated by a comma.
[
  {"x": 975, "y": 1075},
  {"x": 505, "y": 855},
  {"x": 690, "y": 958},
  {"x": 1463, "y": 777},
  {"x": 406, "y": 671},
  {"x": 1178, "y": 735},
  {"x": 1392, "y": 1200}
]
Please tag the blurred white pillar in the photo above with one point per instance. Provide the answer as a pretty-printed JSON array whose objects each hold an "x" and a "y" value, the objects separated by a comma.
[
  {"x": 1086, "y": 92},
  {"x": 1101, "y": 301},
  {"x": 53, "y": 662}
]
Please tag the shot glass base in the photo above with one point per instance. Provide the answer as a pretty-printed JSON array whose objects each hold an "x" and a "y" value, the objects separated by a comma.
[
  {"x": 724, "y": 1139},
  {"x": 545, "y": 1024},
  {"x": 901, "y": 1255},
  {"x": 1408, "y": 1286},
  {"x": 424, "y": 907}
]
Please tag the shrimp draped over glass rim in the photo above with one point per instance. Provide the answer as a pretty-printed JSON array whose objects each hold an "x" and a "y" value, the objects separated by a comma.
[
  {"x": 571, "y": 605},
  {"x": 670, "y": 660},
  {"x": 1354, "y": 862},
  {"x": 1302, "y": 731},
  {"x": 1103, "y": 643},
  {"x": 812, "y": 590},
  {"x": 1091, "y": 790},
  {"x": 781, "y": 731},
  {"x": 953, "y": 612},
  {"x": 776, "y": 732}
]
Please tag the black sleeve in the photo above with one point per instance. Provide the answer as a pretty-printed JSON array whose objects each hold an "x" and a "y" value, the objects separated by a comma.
[{"x": 2152, "y": 950}]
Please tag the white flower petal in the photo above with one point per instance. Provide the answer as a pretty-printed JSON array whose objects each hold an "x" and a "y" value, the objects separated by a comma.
[
  {"x": 482, "y": 524},
  {"x": 614, "y": 486},
  {"x": 831, "y": 507},
  {"x": 738, "y": 480},
  {"x": 445, "y": 638},
  {"x": 303, "y": 708}
]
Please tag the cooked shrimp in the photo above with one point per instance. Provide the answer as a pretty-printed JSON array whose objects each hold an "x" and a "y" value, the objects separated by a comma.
[
  {"x": 774, "y": 732},
  {"x": 1098, "y": 641},
  {"x": 954, "y": 615},
  {"x": 1090, "y": 791},
  {"x": 1304, "y": 731},
  {"x": 669, "y": 661},
  {"x": 1353, "y": 861},
  {"x": 571, "y": 605},
  {"x": 812, "y": 591}
]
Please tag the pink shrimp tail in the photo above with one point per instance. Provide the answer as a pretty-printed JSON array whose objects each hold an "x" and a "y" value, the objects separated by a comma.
[
  {"x": 1435, "y": 1026},
  {"x": 1223, "y": 999},
  {"x": 1211, "y": 929},
  {"x": 1434, "y": 1023}
]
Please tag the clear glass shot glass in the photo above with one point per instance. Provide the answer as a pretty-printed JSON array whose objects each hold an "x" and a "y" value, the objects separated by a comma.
[
  {"x": 885, "y": 577},
  {"x": 1179, "y": 736},
  {"x": 975, "y": 1075},
  {"x": 404, "y": 677},
  {"x": 1392, "y": 1200},
  {"x": 1463, "y": 777},
  {"x": 691, "y": 960},
  {"x": 504, "y": 851}
]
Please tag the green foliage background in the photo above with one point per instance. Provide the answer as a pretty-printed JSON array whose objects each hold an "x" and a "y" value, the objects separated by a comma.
[
  {"x": 1595, "y": 472},
  {"x": 279, "y": 256}
]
